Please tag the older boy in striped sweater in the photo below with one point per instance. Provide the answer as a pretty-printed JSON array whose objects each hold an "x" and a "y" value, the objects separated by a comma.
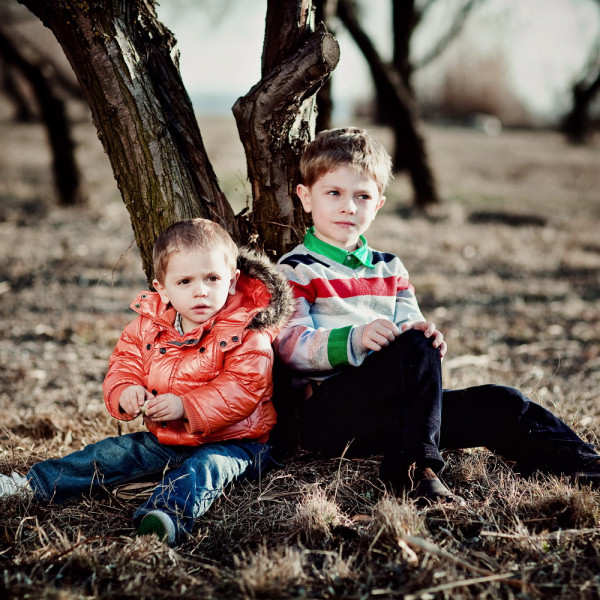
[{"x": 367, "y": 359}]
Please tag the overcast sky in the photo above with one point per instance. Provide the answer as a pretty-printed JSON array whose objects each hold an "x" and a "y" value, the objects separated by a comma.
[{"x": 544, "y": 44}]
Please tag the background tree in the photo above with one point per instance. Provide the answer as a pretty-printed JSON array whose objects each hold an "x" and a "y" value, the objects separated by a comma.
[
  {"x": 21, "y": 59},
  {"x": 400, "y": 110},
  {"x": 123, "y": 58},
  {"x": 578, "y": 123}
]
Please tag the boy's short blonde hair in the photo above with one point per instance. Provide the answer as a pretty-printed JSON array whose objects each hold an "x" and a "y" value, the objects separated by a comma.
[
  {"x": 192, "y": 234},
  {"x": 350, "y": 146}
]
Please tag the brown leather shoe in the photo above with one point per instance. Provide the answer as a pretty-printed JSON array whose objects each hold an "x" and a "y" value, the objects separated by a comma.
[{"x": 429, "y": 489}]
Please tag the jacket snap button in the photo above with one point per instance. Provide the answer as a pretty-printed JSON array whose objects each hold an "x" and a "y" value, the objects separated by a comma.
[
  {"x": 163, "y": 350},
  {"x": 203, "y": 349},
  {"x": 154, "y": 393},
  {"x": 223, "y": 344},
  {"x": 148, "y": 346},
  {"x": 235, "y": 338},
  {"x": 163, "y": 424}
]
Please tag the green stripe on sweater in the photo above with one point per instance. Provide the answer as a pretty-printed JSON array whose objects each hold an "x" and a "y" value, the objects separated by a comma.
[{"x": 337, "y": 346}]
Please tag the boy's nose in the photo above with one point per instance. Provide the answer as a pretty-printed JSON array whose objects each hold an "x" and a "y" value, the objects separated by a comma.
[
  {"x": 349, "y": 207},
  {"x": 200, "y": 290}
]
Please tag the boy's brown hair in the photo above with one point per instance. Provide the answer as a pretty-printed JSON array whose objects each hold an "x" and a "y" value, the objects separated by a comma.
[
  {"x": 350, "y": 146},
  {"x": 192, "y": 234}
]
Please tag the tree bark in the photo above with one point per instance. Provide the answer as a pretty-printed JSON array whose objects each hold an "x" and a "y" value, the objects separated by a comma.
[
  {"x": 410, "y": 150},
  {"x": 67, "y": 179},
  {"x": 276, "y": 120},
  {"x": 121, "y": 55}
]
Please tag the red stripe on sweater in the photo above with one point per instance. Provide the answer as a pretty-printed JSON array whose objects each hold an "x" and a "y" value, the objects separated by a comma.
[{"x": 348, "y": 288}]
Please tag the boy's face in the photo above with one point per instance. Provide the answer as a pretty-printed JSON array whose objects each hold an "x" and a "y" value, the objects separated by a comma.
[
  {"x": 197, "y": 284},
  {"x": 343, "y": 204}
]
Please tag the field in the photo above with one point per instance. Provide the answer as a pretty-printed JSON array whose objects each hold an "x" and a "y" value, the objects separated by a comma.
[{"x": 508, "y": 266}]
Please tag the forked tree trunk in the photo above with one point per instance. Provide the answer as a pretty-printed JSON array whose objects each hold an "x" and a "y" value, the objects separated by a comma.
[
  {"x": 276, "y": 120},
  {"x": 121, "y": 55}
]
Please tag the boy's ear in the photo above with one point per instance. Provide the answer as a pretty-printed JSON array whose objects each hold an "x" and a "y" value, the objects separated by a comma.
[
  {"x": 234, "y": 279},
  {"x": 304, "y": 195},
  {"x": 381, "y": 202},
  {"x": 162, "y": 292}
]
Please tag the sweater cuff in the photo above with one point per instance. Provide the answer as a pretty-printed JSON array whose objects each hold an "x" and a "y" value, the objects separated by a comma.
[
  {"x": 337, "y": 346},
  {"x": 358, "y": 351}
]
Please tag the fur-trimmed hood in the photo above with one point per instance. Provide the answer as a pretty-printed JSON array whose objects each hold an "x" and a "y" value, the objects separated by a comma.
[
  {"x": 281, "y": 306},
  {"x": 263, "y": 301}
]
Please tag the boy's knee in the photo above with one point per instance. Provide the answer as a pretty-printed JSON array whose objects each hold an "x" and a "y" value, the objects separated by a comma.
[
  {"x": 509, "y": 398},
  {"x": 415, "y": 341}
]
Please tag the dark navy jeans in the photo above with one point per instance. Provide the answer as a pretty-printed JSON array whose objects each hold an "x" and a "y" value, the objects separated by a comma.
[
  {"x": 394, "y": 405},
  {"x": 191, "y": 477}
]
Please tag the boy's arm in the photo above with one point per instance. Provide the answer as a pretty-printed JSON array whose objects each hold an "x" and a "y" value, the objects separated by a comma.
[
  {"x": 302, "y": 345},
  {"x": 245, "y": 381},
  {"x": 124, "y": 369},
  {"x": 407, "y": 309}
]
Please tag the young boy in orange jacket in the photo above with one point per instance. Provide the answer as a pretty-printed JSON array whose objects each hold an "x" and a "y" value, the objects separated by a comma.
[{"x": 196, "y": 363}]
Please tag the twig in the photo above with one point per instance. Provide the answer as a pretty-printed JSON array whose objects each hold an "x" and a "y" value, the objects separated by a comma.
[
  {"x": 433, "y": 549},
  {"x": 455, "y": 584},
  {"x": 552, "y": 535}
]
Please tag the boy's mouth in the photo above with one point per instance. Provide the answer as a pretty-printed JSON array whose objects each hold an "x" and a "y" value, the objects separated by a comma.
[{"x": 345, "y": 224}]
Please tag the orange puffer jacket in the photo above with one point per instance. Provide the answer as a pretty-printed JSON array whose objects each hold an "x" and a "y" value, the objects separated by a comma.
[{"x": 222, "y": 370}]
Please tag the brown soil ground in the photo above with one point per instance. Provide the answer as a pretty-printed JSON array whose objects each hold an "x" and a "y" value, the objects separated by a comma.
[{"x": 508, "y": 266}]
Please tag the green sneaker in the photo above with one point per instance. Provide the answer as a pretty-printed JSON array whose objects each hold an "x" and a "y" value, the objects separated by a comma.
[{"x": 158, "y": 523}]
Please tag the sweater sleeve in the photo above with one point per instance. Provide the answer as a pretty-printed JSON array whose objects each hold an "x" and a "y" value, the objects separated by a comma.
[
  {"x": 407, "y": 308},
  {"x": 315, "y": 350}
]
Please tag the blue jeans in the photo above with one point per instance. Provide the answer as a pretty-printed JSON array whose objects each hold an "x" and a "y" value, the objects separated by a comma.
[
  {"x": 394, "y": 405},
  {"x": 192, "y": 477}
]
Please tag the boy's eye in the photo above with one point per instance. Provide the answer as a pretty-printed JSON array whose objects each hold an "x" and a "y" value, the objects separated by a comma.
[
  {"x": 363, "y": 197},
  {"x": 184, "y": 281},
  {"x": 333, "y": 193},
  {"x": 213, "y": 278}
]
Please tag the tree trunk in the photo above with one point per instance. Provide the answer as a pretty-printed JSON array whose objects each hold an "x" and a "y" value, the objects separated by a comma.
[
  {"x": 276, "y": 120},
  {"x": 410, "y": 150},
  {"x": 24, "y": 109},
  {"x": 121, "y": 55},
  {"x": 324, "y": 13},
  {"x": 67, "y": 179},
  {"x": 404, "y": 20},
  {"x": 577, "y": 124}
]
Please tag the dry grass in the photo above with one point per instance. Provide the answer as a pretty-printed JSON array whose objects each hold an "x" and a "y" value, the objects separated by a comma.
[{"x": 517, "y": 298}]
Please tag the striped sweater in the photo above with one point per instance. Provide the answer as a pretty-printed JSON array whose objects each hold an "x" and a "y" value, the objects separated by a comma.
[{"x": 338, "y": 293}]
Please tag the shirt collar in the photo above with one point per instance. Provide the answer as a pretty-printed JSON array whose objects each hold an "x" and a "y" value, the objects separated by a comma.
[{"x": 361, "y": 256}]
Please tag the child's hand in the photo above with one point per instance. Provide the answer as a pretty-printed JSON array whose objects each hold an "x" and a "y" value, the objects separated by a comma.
[
  {"x": 379, "y": 333},
  {"x": 430, "y": 331},
  {"x": 166, "y": 407},
  {"x": 133, "y": 398}
]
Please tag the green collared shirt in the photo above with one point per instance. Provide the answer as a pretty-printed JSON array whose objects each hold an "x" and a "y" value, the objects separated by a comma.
[{"x": 359, "y": 257}]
